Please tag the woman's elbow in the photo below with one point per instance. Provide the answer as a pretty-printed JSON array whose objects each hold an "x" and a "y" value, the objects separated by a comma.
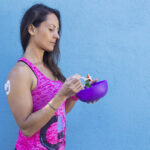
[{"x": 26, "y": 132}]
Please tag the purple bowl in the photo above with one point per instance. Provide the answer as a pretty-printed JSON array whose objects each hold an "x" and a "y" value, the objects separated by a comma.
[{"x": 95, "y": 92}]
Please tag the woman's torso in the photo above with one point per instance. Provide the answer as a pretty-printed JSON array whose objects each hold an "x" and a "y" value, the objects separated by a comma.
[{"x": 53, "y": 135}]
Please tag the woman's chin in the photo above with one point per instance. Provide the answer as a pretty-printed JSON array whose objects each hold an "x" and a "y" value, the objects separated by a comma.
[{"x": 49, "y": 50}]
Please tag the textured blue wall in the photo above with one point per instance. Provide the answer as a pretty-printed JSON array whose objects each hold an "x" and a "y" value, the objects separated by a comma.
[{"x": 108, "y": 39}]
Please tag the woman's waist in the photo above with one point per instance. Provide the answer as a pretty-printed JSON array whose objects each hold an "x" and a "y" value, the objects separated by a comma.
[
  {"x": 53, "y": 130},
  {"x": 50, "y": 136}
]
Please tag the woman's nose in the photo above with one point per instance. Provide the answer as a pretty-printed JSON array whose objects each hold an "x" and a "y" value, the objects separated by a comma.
[{"x": 56, "y": 35}]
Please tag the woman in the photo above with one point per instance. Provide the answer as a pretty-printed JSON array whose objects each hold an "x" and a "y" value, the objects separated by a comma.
[{"x": 38, "y": 94}]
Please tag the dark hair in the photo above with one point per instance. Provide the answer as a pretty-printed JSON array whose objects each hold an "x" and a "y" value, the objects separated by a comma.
[{"x": 35, "y": 15}]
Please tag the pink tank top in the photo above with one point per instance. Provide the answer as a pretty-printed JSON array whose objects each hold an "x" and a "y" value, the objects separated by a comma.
[{"x": 52, "y": 136}]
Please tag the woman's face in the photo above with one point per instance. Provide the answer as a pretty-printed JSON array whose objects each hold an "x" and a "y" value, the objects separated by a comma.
[{"x": 47, "y": 33}]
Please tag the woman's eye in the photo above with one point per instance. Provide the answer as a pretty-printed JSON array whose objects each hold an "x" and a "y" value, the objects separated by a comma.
[{"x": 51, "y": 29}]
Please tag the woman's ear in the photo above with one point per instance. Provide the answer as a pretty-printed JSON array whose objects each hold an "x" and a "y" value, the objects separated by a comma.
[{"x": 32, "y": 29}]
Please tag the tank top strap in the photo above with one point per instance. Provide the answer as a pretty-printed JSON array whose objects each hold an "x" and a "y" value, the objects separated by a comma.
[{"x": 32, "y": 67}]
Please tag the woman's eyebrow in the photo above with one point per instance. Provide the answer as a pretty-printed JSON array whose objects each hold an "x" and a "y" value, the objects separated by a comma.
[{"x": 54, "y": 26}]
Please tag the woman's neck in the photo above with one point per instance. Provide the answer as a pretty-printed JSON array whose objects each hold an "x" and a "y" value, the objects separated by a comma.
[{"x": 34, "y": 54}]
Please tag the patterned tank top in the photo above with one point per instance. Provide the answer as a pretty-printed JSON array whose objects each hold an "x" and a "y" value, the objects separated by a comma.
[{"x": 52, "y": 136}]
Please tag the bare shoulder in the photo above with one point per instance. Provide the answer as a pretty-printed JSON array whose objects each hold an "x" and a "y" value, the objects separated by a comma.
[
  {"x": 21, "y": 73},
  {"x": 19, "y": 69}
]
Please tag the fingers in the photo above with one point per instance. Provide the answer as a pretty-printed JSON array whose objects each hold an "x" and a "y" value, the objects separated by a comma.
[
  {"x": 71, "y": 86},
  {"x": 75, "y": 89},
  {"x": 75, "y": 78},
  {"x": 77, "y": 86},
  {"x": 74, "y": 84},
  {"x": 92, "y": 102}
]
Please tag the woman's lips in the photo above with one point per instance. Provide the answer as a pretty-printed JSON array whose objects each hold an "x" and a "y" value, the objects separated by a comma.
[{"x": 53, "y": 43}]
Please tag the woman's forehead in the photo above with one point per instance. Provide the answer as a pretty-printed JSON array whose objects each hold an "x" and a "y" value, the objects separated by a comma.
[{"x": 52, "y": 20}]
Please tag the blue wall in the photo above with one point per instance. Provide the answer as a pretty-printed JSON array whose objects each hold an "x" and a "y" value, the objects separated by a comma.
[{"x": 108, "y": 39}]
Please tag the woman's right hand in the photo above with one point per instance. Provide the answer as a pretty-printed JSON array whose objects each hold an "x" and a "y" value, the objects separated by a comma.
[{"x": 71, "y": 86}]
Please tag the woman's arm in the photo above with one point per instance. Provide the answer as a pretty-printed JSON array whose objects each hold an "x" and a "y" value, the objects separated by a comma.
[
  {"x": 20, "y": 102},
  {"x": 69, "y": 104}
]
